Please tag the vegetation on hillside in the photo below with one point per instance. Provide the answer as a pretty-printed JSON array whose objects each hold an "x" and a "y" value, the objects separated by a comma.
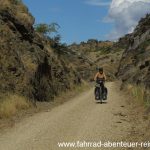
[
  {"x": 30, "y": 65},
  {"x": 139, "y": 93},
  {"x": 134, "y": 66},
  {"x": 105, "y": 54},
  {"x": 12, "y": 103},
  {"x": 46, "y": 29}
]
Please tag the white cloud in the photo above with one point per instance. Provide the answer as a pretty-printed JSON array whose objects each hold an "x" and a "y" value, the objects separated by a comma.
[
  {"x": 125, "y": 14},
  {"x": 97, "y": 3}
]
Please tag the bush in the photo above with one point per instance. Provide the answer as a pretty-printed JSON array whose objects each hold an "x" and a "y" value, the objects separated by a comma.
[{"x": 46, "y": 29}]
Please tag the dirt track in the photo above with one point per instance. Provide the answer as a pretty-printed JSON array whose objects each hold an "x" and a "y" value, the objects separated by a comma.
[{"x": 80, "y": 119}]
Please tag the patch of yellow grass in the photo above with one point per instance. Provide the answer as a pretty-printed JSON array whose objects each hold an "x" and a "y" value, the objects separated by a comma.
[
  {"x": 23, "y": 16},
  {"x": 5, "y": 2},
  {"x": 81, "y": 88},
  {"x": 139, "y": 93},
  {"x": 20, "y": 11},
  {"x": 11, "y": 104},
  {"x": 28, "y": 63}
]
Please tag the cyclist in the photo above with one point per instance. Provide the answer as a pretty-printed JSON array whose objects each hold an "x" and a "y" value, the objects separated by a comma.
[{"x": 100, "y": 75}]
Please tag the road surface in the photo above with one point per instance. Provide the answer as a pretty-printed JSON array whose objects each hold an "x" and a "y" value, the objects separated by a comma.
[{"x": 80, "y": 120}]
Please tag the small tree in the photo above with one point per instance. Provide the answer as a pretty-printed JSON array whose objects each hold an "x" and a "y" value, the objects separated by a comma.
[
  {"x": 55, "y": 41},
  {"x": 57, "y": 38},
  {"x": 46, "y": 29}
]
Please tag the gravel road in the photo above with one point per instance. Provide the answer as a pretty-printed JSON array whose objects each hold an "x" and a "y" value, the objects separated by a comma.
[{"x": 80, "y": 119}]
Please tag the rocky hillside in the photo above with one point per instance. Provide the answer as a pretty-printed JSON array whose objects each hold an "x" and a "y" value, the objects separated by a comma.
[
  {"x": 92, "y": 45},
  {"x": 28, "y": 64},
  {"x": 135, "y": 62},
  {"x": 98, "y": 54},
  {"x": 83, "y": 65}
]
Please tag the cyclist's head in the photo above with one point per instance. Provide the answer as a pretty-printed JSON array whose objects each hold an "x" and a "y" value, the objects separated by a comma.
[{"x": 100, "y": 70}]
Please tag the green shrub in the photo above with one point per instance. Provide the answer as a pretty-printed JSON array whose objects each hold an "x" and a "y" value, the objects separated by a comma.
[{"x": 46, "y": 29}]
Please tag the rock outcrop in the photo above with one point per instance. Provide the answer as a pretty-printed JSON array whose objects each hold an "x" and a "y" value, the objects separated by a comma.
[
  {"x": 28, "y": 65},
  {"x": 135, "y": 62}
]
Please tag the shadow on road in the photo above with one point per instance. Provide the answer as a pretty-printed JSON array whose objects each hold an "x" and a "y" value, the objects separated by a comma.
[{"x": 98, "y": 102}]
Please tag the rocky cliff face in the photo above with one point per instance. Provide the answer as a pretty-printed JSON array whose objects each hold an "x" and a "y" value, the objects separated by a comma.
[
  {"x": 104, "y": 54},
  {"x": 28, "y": 65},
  {"x": 135, "y": 62}
]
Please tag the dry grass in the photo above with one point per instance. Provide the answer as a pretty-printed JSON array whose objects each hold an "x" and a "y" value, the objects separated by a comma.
[
  {"x": 26, "y": 59},
  {"x": 82, "y": 87},
  {"x": 24, "y": 17},
  {"x": 139, "y": 93},
  {"x": 5, "y": 2},
  {"x": 19, "y": 10},
  {"x": 11, "y": 104},
  {"x": 77, "y": 89}
]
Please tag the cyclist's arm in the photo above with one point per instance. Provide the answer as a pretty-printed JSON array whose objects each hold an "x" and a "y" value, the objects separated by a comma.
[
  {"x": 105, "y": 77},
  {"x": 95, "y": 77}
]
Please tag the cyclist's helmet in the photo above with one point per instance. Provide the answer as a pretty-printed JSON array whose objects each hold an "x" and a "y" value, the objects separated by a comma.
[{"x": 100, "y": 69}]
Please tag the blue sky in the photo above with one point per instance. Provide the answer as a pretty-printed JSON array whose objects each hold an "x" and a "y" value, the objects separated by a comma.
[{"x": 80, "y": 20}]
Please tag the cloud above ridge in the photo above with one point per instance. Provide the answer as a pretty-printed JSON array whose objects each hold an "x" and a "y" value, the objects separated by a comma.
[{"x": 125, "y": 15}]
